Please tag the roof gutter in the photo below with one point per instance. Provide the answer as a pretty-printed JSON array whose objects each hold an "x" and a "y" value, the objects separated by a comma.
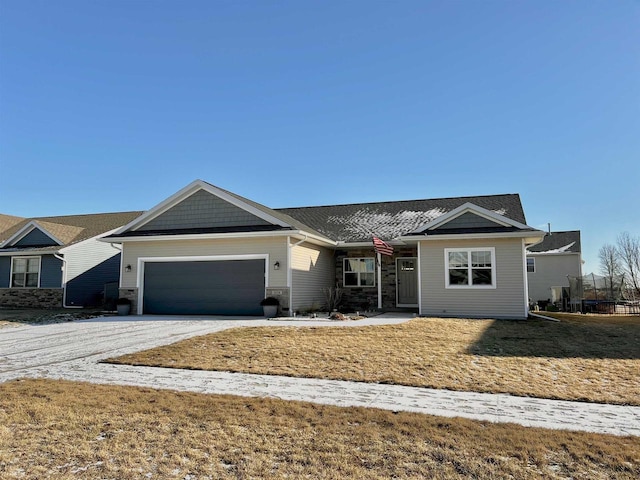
[
  {"x": 531, "y": 237},
  {"x": 214, "y": 236}
]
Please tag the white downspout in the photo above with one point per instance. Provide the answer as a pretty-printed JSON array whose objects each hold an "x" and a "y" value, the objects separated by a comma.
[{"x": 64, "y": 283}]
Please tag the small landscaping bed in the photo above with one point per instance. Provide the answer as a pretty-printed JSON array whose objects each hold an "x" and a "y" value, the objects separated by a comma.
[{"x": 589, "y": 360}]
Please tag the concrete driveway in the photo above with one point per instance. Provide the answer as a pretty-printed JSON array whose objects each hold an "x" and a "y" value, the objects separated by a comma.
[{"x": 72, "y": 351}]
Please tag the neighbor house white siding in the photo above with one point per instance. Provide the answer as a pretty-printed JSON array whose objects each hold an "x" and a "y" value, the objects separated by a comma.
[
  {"x": 274, "y": 247},
  {"x": 83, "y": 257},
  {"x": 551, "y": 270},
  {"x": 312, "y": 269},
  {"x": 507, "y": 300}
]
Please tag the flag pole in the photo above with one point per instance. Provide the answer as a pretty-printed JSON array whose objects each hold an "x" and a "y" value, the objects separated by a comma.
[{"x": 379, "y": 280}]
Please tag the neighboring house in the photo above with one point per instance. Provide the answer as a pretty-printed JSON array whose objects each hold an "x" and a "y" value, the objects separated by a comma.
[
  {"x": 207, "y": 250},
  {"x": 58, "y": 261},
  {"x": 549, "y": 266}
]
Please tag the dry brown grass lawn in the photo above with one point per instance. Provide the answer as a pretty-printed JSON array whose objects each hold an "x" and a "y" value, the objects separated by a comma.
[
  {"x": 588, "y": 358},
  {"x": 57, "y": 429}
]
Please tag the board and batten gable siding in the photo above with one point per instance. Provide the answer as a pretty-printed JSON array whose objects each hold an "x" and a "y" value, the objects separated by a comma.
[
  {"x": 202, "y": 210},
  {"x": 551, "y": 271},
  {"x": 35, "y": 238},
  {"x": 507, "y": 300},
  {"x": 312, "y": 270},
  {"x": 274, "y": 247},
  {"x": 468, "y": 220},
  {"x": 89, "y": 266}
]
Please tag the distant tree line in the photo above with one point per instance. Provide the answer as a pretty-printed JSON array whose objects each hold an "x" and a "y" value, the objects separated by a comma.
[{"x": 620, "y": 265}]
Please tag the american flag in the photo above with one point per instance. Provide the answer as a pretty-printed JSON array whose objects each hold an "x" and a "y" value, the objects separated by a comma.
[{"x": 381, "y": 247}]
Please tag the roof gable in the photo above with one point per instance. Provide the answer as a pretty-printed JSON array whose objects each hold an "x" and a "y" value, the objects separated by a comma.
[
  {"x": 204, "y": 208},
  {"x": 65, "y": 230},
  {"x": 469, "y": 218},
  {"x": 32, "y": 235}
]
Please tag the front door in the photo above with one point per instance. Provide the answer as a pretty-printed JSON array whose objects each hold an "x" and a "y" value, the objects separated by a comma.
[{"x": 407, "y": 282}]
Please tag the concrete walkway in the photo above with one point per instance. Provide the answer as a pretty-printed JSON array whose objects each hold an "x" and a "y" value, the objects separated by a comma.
[{"x": 72, "y": 351}]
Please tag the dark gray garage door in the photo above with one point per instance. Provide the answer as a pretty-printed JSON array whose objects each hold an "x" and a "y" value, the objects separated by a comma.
[{"x": 230, "y": 287}]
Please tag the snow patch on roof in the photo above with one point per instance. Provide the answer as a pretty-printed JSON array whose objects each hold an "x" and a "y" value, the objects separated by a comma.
[
  {"x": 555, "y": 250},
  {"x": 387, "y": 226}
]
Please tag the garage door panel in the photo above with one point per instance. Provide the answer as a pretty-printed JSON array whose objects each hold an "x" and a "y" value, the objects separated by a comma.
[{"x": 230, "y": 287}]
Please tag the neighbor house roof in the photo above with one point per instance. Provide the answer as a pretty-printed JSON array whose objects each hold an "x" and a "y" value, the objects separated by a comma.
[
  {"x": 70, "y": 229},
  {"x": 389, "y": 220},
  {"x": 558, "y": 242}
]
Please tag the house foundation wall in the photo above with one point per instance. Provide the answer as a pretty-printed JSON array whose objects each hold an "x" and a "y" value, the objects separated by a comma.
[{"x": 31, "y": 297}]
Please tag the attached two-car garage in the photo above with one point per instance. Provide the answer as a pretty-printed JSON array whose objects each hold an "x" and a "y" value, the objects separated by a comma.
[{"x": 203, "y": 287}]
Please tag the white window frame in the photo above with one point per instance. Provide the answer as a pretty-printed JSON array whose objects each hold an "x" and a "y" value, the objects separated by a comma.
[
  {"x": 533, "y": 264},
  {"x": 13, "y": 259},
  {"x": 468, "y": 251},
  {"x": 359, "y": 285}
]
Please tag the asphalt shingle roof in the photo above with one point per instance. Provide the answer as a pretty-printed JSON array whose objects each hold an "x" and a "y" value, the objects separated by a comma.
[
  {"x": 389, "y": 220},
  {"x": 72, "y": 229},
  {"x": 556, "y": 240}
]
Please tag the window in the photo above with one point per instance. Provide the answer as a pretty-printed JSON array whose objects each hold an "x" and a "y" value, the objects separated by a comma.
[
  {"x": 531, "y": 265},
  {"x": 359, "y": 272},
  {"x": 470, "y": 267},
  {"x": 25, "y": 272}
]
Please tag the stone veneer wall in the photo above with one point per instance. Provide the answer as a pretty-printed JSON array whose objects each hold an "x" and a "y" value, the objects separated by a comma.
[
  {"x": 31, "y": 297},
  {"x": 131, "y": 294},
  {"x": 366, "y": 298},
  {"x": 282, "y": 294}
]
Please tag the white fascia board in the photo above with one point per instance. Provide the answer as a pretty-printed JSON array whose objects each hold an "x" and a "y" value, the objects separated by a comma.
[
  {"x": 213, "y": 236},
  {"x": 528, "y": 236},
  {"x": 472, "y": 208},
  {"x": 92, "y": 239},
  {"x": 312, "y": 238},
  {"x": 397, "y": 243},
  {"x": 553, "y": 254},
  {"x": 29, "y": 253},
  {"x": 26, "y": 230},
  {"x": 186, "y": 192}
]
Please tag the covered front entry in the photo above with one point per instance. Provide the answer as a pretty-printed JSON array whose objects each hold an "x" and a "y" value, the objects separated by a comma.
[
  {"x": 222, "y": 287},
  {"x": 407, "y": 282}
]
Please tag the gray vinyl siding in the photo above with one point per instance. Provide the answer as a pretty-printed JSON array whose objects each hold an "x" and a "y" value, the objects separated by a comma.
[
  {"x": 274, "y": 247},
  {"x": 203, "y": 210},
  {"x": 35, "y": 238},
  {"x": 551, "y": 271},
  {"x": 507, "y": 300},
  {"x": 50, "y": 272},
  {"x": 89, "y": 265},
  {"x": 5, "y": 272},
  {"x": 469, "y": 220},
  {"x": 312, "y": 269}
]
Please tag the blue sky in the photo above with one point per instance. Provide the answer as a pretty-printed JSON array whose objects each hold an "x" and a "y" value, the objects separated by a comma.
[{"x": 116, "y": 105}]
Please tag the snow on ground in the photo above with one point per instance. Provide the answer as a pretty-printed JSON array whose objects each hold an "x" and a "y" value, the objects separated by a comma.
[{"x": 73, "y": 351}]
